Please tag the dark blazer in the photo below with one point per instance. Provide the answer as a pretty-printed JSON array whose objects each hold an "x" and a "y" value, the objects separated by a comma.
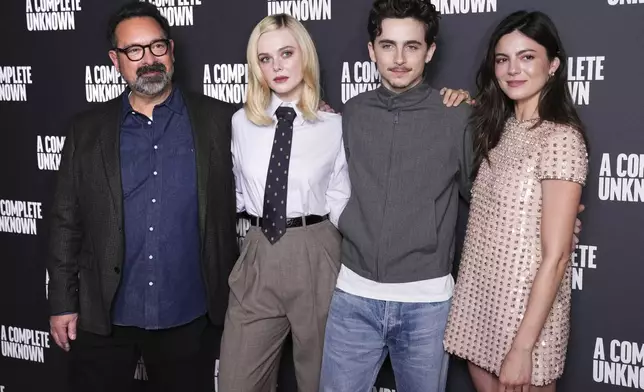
[{"x": 86, "y": 233}]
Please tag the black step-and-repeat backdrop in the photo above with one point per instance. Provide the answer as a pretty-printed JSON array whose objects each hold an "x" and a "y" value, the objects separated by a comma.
[{"x": 54, "y": 63}]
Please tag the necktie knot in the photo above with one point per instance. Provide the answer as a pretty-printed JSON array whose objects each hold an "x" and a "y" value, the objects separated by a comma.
[{"x": 285, "y": 113}]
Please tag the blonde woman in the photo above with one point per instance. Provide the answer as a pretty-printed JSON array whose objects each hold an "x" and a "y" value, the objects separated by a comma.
[{"x": 291, "y": 177}]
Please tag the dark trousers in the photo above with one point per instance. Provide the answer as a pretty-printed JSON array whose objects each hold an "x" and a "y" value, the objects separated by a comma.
[{"x": 180, "y": 359}]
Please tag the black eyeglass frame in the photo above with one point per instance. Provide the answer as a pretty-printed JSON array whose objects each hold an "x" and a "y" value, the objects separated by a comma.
[{"x": 143, "y": 47}]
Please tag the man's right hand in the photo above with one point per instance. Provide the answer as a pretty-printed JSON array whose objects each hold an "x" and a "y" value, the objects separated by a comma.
[{"x": 63, "y": 329}]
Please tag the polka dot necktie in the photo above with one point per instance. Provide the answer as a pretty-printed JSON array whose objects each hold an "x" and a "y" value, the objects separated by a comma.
[{"x": 274, "y": 219}]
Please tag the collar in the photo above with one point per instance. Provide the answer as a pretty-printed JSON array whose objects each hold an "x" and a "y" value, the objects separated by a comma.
[
  {"x": 414, "y": 95},
  {"x": 277, "y": 102},
  {"x": 174, "y": 102}
]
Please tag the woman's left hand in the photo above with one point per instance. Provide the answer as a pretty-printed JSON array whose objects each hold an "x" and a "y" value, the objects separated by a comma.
[
  {"x": 516, "y": 371},
  {"x": 452, "y": 97}
]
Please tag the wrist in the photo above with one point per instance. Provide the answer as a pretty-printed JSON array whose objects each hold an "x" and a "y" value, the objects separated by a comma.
[{"x": 522, "y": 346}]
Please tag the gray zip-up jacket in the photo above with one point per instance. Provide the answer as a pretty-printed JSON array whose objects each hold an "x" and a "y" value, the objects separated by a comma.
[{"x": 408, "y": 155}]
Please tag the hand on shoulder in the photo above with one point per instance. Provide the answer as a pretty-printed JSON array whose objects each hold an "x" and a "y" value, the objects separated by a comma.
[
  {"x": 452, "y": 97},
  {"x": 325, "y": 107}
]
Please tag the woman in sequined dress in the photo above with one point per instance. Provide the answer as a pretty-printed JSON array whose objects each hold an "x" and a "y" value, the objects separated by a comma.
[{"x": 511, "y": 307}]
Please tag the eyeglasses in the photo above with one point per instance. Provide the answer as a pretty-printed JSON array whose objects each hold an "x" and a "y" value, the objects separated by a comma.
[{"x": 136, "y": 52}]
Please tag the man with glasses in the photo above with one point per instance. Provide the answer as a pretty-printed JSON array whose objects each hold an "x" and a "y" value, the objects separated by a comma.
[{"x": 143, "y": 224}]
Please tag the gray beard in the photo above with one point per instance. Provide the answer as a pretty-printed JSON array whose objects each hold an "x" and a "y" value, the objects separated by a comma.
[{"x": 151, "y": 85}]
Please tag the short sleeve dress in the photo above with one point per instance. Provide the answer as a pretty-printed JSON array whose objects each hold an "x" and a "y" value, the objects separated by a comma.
[{"x": 502, "y": 249}]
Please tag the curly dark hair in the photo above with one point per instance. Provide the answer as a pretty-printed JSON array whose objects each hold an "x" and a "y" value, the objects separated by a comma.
[
  {"x": 422, "y": 10},
  {"x": 132, "y": 10}
]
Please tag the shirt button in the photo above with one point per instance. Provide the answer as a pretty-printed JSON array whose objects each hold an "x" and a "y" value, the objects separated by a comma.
[
  {"x": 151, "y": 257},
  {"x": 151, "y": 284},
  {"x": 154, "y": 200},
  {"x": 155, "y": 173},
  {"x": 133, "y": 112},
  {"x": 149, "y": 122},
  {"x": 156, "y": 147},
  {"x": 151, "y": 228}
]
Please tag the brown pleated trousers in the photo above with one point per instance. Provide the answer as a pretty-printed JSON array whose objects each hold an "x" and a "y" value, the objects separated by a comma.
[{"x": 275, "y": 289}]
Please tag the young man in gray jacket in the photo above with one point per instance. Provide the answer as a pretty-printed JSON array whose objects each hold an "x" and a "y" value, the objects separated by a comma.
[{"x": 409, "y": 159}]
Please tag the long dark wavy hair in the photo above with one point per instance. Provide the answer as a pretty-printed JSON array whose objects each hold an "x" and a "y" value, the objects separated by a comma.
[{"x": 493, "y": 107}]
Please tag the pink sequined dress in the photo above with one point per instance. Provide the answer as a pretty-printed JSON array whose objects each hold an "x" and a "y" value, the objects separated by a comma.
[{"x": 502, "y": 249}]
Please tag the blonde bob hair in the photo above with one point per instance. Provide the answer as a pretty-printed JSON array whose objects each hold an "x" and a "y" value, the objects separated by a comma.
[{"x": 259, "y": 93}]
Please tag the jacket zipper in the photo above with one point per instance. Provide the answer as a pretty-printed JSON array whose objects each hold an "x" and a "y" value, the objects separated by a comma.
[{"x": 391, "y": 148}]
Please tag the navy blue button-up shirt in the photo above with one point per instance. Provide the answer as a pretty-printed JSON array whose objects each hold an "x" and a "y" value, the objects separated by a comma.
[{"x": 161, "y": 284}]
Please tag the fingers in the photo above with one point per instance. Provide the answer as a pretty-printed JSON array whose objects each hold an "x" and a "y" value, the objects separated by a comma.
[
  {"x": 54, "y": 335},
  {"x": 454, "y": 97},
  {"x": 462, "y": 96},
  {"x": 446, "y": 93},
  {"x": 465, "y": 96},
  {"x": 575, "y": 236},
  {"x": 503, "y": 384},
  {"x": 581, "y": 208},
  {"x": 509, "y": 387},
  {"x": 509, "y": 384},
  {"x": 60, "y": 336},
  {"x": 325, "y": 107},
  {"x": 71, "y": 329},
  {"x": 451, "y": 96}
]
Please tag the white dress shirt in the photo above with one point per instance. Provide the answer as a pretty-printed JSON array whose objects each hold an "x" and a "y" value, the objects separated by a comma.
[{"x": 318, "y": 178}]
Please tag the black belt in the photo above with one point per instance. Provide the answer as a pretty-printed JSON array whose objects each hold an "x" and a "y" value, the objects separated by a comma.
[{"x": 293, "y": 222}]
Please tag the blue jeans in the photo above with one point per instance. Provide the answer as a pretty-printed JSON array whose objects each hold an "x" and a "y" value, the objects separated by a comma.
[{"x": 360, "y": 332}]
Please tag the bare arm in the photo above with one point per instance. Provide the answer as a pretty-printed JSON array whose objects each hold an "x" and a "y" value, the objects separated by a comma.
[
  {"x": 559, "y": 211},
  {"x": 562, "y": 171}
]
